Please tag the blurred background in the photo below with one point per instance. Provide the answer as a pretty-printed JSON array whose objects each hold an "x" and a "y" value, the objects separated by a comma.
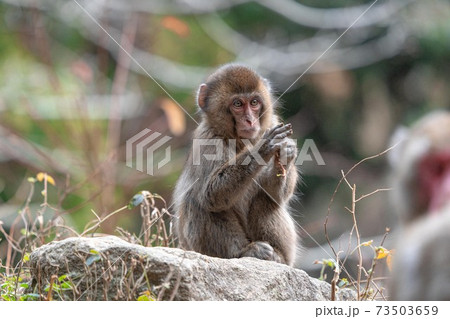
[{"x": 79, "y": 78}]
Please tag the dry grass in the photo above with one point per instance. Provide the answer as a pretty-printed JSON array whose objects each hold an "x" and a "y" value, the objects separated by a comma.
[
  {"x": 366, "y": 284},
  {"x": 15, "y": 274}
]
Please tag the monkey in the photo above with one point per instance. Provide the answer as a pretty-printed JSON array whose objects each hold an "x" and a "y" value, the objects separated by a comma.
[
  {"x": 419, "y": 164},
  {"x": 421, "y": 269},
  {"x": 237, "y": 204}
]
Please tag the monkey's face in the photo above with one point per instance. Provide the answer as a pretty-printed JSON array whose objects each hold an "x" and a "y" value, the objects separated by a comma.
[
  {"x": 246, "y": 110},
  {"x": 237, "y": 102}
]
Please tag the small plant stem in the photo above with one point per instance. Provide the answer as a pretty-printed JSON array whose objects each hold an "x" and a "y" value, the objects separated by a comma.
[
  {"x": 102, "y": 220},
  {"x": 358, "y": 239}
]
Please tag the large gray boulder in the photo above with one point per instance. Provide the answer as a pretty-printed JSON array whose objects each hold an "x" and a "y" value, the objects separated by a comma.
[{"x": 109, "y": 268}]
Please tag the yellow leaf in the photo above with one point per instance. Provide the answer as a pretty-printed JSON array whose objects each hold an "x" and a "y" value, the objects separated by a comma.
[
  {"x": 389, "y": 259},
  {"x": 381, "y": 252},
  {"x": 41, "y": 176},
  {"x": 51, "y": 180},
  {"x": 146, "y": 296},
  {"x": 175, "y": 117},
  {"x": 367, "y": 243}
]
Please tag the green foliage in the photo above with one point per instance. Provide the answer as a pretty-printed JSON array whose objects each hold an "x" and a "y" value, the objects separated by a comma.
[
  {"x": 326, "y": 263},
  {"x": 146, "y": 296},
  {"x": 62, "y": 284},
  {"x": 8, "y": 288},
  {"x": 12, "y": 289}
]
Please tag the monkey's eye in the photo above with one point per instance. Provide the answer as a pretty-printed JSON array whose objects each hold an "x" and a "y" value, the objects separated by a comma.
[
  {"x": 254, "y": 102},
  {"x": 237, "y": 103}
]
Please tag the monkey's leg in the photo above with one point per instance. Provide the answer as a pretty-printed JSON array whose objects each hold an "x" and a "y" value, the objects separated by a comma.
[
  {"x": 218, "y": 234},
  {"x": 271, "y": 223},
  {"x": 228, "y": 239}
]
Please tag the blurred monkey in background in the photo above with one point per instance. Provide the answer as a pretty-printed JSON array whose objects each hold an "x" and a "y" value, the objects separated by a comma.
[{"x": 421, "y": 177}]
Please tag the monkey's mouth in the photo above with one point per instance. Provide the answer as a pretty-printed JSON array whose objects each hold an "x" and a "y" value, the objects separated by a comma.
[
  {"x": 434, "y": 175},
  {"x": 248, "y": 132}
]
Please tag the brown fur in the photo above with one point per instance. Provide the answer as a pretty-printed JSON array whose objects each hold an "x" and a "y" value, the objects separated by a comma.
[{"x": 226, "y": 209}]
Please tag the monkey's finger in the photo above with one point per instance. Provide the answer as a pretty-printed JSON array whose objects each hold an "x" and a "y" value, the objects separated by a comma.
[
  {"x": 283, "y": 135},
  {"x": 272, "y": 130},
  {"x": 288, "y": 147},
  {"x": 266, "y": 133},
  {"x": 291, "y": 152},
  {"x": 279, "y": 130},
  {"x": 289, "y": 132},
  {"x": 275, "y": 147}
]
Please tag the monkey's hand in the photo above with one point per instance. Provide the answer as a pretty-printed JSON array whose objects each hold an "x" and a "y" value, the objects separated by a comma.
[
  {"x": 288, "y": 151},
  {"x": 285, "y": 156},
  {"x": 275, "y": 141}
]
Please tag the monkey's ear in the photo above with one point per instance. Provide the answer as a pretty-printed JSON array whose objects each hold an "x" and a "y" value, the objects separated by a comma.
[{"x": 201, "y": 95}]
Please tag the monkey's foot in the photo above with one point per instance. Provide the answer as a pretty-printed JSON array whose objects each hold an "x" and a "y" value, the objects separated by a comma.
[{"x": 261, "y": 250}]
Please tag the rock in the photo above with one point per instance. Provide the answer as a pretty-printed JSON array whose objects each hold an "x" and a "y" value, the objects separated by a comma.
[{"x": 108, "y": 268}]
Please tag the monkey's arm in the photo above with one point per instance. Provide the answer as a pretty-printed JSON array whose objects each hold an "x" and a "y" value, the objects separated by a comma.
[
  {"x": 279, "y": 188},
  {"x": 226, "y": 184}
]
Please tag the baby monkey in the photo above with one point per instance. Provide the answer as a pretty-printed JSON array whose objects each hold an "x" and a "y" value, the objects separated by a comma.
[{"x": 232, "y": 197}]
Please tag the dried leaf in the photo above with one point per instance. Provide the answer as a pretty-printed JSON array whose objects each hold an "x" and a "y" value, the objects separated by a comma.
[
  {"x": 389, "y": 259},
  {"x": 176, "y": 25},
  {"x": 176, "y": 119}
]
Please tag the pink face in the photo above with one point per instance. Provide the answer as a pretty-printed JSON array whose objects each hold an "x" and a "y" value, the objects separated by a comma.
[
  {"x": 434, "y": 180},
  {"x": 246, "y": 111}
]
